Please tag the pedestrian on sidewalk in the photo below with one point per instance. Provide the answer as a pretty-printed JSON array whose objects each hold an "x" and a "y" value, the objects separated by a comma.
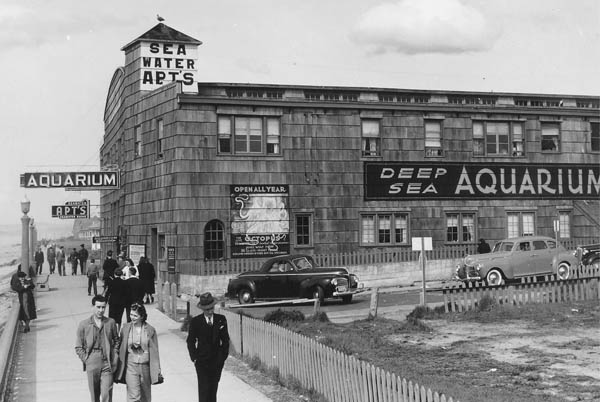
[
  {"x": 118, "y": 297},
  {"x": 60, "y": 260},
  {"x": 73, "y": 260},
  {"x": 135, "y": 288},
  {"x": 147, "y": 276},
  {"x": 82, "y": 255},
  {"x": 139, "y": 361},
  {"x": 51, "y": 257},
  {"x": 23, "y": 285},
  {"x": 108, "y": 268},
  {"x": 208, "y": 345},
  {"x": 93, "y": 270},
  {"x": 39, "y": 260},
  {"x": 97, "y": 345}
]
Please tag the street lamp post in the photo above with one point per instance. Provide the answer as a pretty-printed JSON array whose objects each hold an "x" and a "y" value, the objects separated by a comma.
[
  {"x": 25, "y": 204},
  {"x": 31, "y": 240}
]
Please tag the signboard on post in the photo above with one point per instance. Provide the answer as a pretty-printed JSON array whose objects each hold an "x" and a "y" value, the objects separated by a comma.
[
  {"x": 135, "y": 251},
  {"x": 171, "y": 259},
  {"x": 105, "y": 239},
  {"x": 422, "y": 244},
  {"x": 72, "y": 210}
]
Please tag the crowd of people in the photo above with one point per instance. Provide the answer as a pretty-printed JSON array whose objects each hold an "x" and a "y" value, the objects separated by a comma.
[
  {"x": 115, "y": 352},
  {"x": 57, "y": 256}
]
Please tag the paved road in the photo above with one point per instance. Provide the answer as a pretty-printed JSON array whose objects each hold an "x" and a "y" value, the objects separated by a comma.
[{"x": 400, "y": 301}]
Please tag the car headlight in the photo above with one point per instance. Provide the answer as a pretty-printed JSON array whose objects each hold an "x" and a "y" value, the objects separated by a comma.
[
  {"x": 479, "y": 266},
  {"x": 334, "y": 281}
]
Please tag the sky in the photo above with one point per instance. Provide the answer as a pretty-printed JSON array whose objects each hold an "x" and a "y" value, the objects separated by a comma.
[{"x": 58, "y": 58}]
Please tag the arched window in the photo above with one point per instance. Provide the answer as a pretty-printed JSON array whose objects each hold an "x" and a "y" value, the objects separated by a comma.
[{"x": 214, "y": 240}]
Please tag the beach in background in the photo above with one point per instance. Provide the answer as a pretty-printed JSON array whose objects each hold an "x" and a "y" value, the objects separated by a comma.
[{"x": 10, "y": 256}]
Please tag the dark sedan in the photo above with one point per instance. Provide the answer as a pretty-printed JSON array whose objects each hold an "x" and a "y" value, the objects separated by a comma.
[{"x": 291, "y": 277}]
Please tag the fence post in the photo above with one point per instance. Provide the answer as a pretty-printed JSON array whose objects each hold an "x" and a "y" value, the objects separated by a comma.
[
  {"x": 166, "y": 292},
  {"x": 173, "y": 301},
  {"x": 374, "y": 302},
  {"x": 316, "y": 307},
  {"x": 159, "y": 295}
]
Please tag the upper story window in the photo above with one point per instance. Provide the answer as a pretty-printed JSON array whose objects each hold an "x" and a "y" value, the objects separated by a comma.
[
  {"x": 159, "y": 138},
  {"x": 371, "y": 140},
  {"x": 595, "y": 136},
  {"x": 137, "y": 145},
  {"x": 433, "y": 138},
  {"x": 550, "y": 137},
  {"x": 248, "y": 135},
  {"x": 304, "y": 229},
  {"x": 498, "y": 138},
  {"x": 564, "y": 224}
]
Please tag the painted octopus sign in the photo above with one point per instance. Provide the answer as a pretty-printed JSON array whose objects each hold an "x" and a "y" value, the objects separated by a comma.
[{"x": 260, "y": 222}]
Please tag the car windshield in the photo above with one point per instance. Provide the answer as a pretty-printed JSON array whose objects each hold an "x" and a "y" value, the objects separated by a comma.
[
  {"x": 502, "y": 246},
  {"x": 302, "y": 263}
]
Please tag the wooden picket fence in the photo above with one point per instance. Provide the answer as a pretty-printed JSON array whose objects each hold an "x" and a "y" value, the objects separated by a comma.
[
  {"x": 584, "y": 285},
  {"x": 333, "y": 374}
]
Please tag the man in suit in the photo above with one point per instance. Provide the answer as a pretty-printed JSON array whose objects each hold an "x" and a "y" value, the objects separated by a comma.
[
  {"x": 97, "y": 345},
  {"x": 208, "y": 345},
  {"x": 135, "y": 288},
  {"x": 109, "y": 267}
]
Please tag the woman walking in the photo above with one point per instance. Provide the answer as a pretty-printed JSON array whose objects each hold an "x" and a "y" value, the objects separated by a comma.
[{"x": 139, "y": 362}]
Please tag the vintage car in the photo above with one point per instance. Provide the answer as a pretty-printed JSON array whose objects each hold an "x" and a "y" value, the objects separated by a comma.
[
  {"x": 518, "y": 257},
  {"x": 291, "y": 277},
  {"x": 589, "y": 255}
]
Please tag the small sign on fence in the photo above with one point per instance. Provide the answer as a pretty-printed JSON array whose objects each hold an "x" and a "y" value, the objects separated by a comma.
[{"x": 171, "y": 259}]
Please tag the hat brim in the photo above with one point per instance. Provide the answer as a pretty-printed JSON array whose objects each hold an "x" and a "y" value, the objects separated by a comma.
[{"x": 207, "y": 306}]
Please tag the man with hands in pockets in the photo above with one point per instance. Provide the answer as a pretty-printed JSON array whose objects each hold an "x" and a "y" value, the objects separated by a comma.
[{"x": 208, "y": 345}]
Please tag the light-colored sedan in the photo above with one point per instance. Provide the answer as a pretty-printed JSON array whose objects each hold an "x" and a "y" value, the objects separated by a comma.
[{"x": 518, "y": 257}]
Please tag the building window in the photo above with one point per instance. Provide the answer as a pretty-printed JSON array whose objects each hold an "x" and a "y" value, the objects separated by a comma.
[
  {"x": 564, "y": 221},
  {"x": 520, "y": 224},
  {"x": 273, "y": 137},
  {"x": 214, "y": 240},
  {"x": 498, "y": 138},
  {"x": 550, "y": 137},
  {"x": 433, "y": 138},
  {"x": 137, "y": 146},
  {"x": 371, "y": 141},
  {"x": 252, "y": 135},
  {"x": 159, "y": 140},
  {"x": 162, "y": 248},
  {"x": 304, "y": 230},
  {"x": 595, "y": 136},
  {"x": 460, "y": 227},
  {"x": 384, "y": 229}
]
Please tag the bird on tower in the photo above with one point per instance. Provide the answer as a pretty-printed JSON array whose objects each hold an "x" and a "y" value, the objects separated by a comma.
[{"x": 159, "y": 18}]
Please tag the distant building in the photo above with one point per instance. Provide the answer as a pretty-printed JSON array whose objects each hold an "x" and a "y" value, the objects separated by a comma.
[
  {"x": 85, "y": 229},
  {"x": 225, "y": 170}
]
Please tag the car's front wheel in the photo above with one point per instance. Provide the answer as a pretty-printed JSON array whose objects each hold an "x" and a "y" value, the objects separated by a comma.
[
  {"x": 318, "y": 293},
  {"x": 494, "y": 278},
  {"x": 245, "y": 296},
  {"x": 563, "y": 271}
]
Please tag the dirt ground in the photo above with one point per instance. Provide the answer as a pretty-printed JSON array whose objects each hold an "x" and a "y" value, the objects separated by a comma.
[{"x": 555, "y": 348}]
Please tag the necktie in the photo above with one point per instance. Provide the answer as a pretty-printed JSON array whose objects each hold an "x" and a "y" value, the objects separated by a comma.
[{"x": 210, "y": 322}]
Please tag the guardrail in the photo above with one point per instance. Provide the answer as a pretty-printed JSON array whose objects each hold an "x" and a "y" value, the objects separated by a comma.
[
  {"x": 7, "y": 347},
  {"x": 335, "y": 375}
]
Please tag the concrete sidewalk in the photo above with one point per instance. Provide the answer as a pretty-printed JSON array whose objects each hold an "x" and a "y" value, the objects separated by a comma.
[{"x": 49, "y": 370}]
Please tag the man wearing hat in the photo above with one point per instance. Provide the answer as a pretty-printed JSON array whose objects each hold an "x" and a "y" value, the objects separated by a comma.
[
  {"x": 208, "y": 345},
  {"x": 83, "y": 257}
]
